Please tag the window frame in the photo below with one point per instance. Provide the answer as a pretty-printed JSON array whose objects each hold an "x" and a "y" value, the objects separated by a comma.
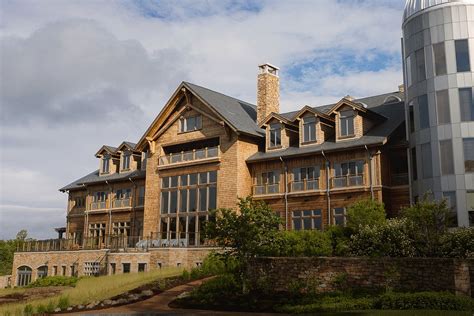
[
  {"x": 311, "y": 126},
  {"x": 439, "y": 69},
  {"x": 184, "y": 126},
  {"x": 467, "y": 114},
  {"x": 315, "y": 215},
  {"x": 459, "y": 55},
  {"x": 105, "y": 163},
  {"x": 468, "y": 163},
  {"x": 274, "y": 135},
  {"x": 344, "y": 121}
]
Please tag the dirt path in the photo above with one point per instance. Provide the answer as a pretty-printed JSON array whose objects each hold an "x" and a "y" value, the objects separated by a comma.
[{"x": 158, "y": 304}]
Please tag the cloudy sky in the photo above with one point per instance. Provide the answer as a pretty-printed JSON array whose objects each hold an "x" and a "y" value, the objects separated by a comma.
[{"x": 79, "y": 74}]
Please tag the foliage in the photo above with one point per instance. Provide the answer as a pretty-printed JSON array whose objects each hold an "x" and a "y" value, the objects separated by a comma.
[
  {"x": 63, "y": 302},
  {"x": 7, "y": 248},
  {"x": 214, "y": 290},
  {"x": 54, "y": 281},
  {"x": 245, "y": 234},
  {"x": 458, "y": 243},
  {"x": 389, "y": 239},
  {"x": 28, "y": 310},
  {"x": 307, "y": 243},
  {"x": 427, "y": 221},
  {"x": 328, "y": 304},
  {"x": 365, "y": 213},
  {"x": 340, "y": 238},
  {"x": 425, "y": 300}
]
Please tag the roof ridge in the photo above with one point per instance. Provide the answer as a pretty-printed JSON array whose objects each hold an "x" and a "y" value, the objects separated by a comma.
[{"x": 217, "y": 92}]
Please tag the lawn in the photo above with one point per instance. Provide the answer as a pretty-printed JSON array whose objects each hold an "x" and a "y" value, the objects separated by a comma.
[{"x": 91, "y": 289}]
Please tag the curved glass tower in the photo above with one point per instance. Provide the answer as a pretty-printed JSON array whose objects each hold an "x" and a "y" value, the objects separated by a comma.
[{"x": 438, "y": 57}]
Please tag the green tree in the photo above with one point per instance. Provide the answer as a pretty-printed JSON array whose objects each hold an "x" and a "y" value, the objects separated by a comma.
[
  {"x": 22, "y": 234},
  {"x": 427, "y": 220},
  {"x": 7, "y": 249},
  {"x": 245, "y": 234},
  {"x": 365, "y": 213}
]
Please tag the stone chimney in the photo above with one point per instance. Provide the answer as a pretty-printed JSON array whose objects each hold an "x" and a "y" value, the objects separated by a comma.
[{"x": 268, "y": 91}]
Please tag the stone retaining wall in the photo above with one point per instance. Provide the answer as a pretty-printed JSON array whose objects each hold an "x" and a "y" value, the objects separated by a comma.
[{"x": 333, "y": 273}]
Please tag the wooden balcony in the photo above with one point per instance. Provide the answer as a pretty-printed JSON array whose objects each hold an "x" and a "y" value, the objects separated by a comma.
[
  {"x": 190, "y": 156},
  {"x": 266, "y": 189},
  {"x": 304, "y": 185},
  {"x": 347, "y": 181},
  {"x": 99, "y": 205}
]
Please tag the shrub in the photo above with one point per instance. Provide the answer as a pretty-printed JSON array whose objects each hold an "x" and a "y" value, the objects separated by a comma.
[
  {"x": 63, "y": 302},
  {"x": 339, "y": 237},
  {"x": 427, "y": 221},
  {"x": 425, "y": 300},
  {"x": 216, "y": 289},
  {"x": 302, "y": 243},
  {"x": 458, "y": 243},
  {"x": 365, "y": 213},
  {"x": 386, "y": 240},
  {"x": 185, "y": 275},
  {"x": 328, "y": 304},
  {"x": 54, "y": 281},
  {"x": 28, "y": 310}
]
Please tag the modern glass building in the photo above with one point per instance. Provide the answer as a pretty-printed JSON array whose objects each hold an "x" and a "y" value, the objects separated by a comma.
[{"x": 438, "y": 57}]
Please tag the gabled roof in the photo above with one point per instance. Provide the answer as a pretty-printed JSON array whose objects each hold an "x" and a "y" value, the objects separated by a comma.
[
  {"x": 108, "y": 149},
  {"x": 277, "y": 116},
  {"x": 359, "y": 106},
  {"x": 307, "y": 108},
  {"x": 237, "y": 113},
  {"x": 94, "y": 178},
  {"x": 128, "y": 145}
]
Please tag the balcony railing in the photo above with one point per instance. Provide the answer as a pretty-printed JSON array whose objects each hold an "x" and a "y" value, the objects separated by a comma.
[
  {"x": 347, "y": 181},
  {"x": 305, "y": 185},
  {"x": 121, "y": 203},
  {"x": 399, "y": 179},
  {"x": 98, "y": 205},
  {"x": 119, "y": 242},
  {"x": 266, "y": 189},
  {"x": 192, "y": 155}
]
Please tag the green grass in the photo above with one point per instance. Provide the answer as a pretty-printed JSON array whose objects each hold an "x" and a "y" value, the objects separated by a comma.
[
  {"x": 92, "y": 289},
  {"x": 398, "y": 313}
]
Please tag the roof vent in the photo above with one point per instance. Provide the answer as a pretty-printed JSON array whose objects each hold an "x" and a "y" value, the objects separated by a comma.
[
  {"x": 350, "y": 98},
  {"x": 392, "y": 99}
]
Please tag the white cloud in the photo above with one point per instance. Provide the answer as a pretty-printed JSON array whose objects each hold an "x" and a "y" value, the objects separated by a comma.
[{"x": 79, "y": 74}]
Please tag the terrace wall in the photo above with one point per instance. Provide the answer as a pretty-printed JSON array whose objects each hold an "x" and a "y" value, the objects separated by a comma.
[{"x": 333, "y": 273}]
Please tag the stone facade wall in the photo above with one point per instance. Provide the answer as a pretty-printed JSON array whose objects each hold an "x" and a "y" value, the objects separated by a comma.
[
  {"x": 408, "y": 274},
  {"x": 74, "y": 261},
  {"x": 5, "y": 281}
]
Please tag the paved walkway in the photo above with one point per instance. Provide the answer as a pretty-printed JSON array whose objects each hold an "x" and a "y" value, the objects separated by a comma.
[{"x": 158, "y": 305}]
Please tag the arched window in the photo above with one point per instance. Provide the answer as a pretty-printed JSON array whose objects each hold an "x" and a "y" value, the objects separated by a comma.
[
  {"x": 42, "y": 272},
  {"x": 24, "y": 276}
]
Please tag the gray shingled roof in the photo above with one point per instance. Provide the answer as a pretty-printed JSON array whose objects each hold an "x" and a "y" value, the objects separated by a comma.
[
  {"x": 94, "y": 178},
  {"x": 376, "y": 136},
  {"x": 240, "y": 114}
]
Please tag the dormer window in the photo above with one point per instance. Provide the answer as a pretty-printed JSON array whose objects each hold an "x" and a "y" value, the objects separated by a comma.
[
  {"x": 126, "y": 161},
  {"x": 309, "y": 129},
  {"x": 192, "y": 123},
  {"x": 275, "y": 135},
  {"x": 105, "y": 164},
  {"x": 346, "y": 122}
]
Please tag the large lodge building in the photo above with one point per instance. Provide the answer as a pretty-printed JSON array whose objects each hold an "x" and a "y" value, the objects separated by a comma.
[{"x": 145, "y": 206}]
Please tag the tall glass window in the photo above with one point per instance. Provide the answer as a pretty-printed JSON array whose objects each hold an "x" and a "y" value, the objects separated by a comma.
[
  {"x": 439, "y": 54},
  {"x": 462, "y": 55},
  {"x": 468, "y": 144},
  {"x": 451, "y": 201},
  {"x": 420, "y": 65},
  {"x": 309, "y": 129},
  {"x": 306, "y": 178},
  {"x": 413, "y": 164},
  {"x": 467, "y": 104},
  {"x": 339, "y": 216},
  {"x": 347, "y": 123},
  {"x": 409, "y": 70},
  {"x": 105, "y": 164},
  {"x": 411, "y": 116},
  {"x": 442, "y": 107},
  {"x": 423, "y": 112},
  {"x": 426, "y": 156},
  {"x": 447, "y": 160},
  {"x": 275, "y": 135}
]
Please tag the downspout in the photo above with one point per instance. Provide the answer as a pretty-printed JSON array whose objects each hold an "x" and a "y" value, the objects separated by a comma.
[
  {"x": 370, "y": 172},
  {"x": 133, "y": 205},
  {"x": 110, "y": 214},
  {"x": 328, "y": 190},
  {"x": 286, "y": 191}
]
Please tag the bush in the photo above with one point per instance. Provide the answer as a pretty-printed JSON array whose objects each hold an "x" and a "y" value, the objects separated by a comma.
[
  {"x": 54, "y": 281},
  {"x": 339, "y": 237},
  {"x": 427, "y": 221},
  {"x": 458, "y": 243},
  {"x": 365, "y": 213},
  {"x": 221, "y": 287},
  {"x": 328, "y": 304},
  {"x": 302, "y": 243},
  {"x": 387, "y": 240},
  {"x": 63, "y": 302},
  {"x": 28, "y": 310},
  {"x": 425, "y": 300}
]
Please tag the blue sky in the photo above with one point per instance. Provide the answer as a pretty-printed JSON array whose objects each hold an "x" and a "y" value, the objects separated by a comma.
[{"x": 80, "y": 74}]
